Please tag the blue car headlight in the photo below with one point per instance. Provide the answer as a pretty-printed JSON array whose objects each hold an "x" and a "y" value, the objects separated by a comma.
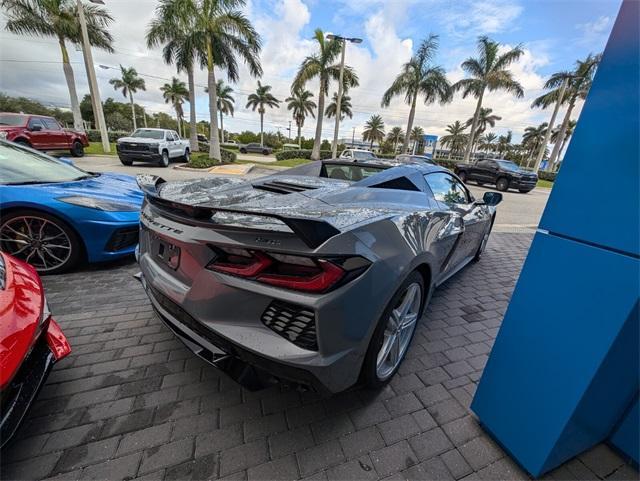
[{"x": 100, "y": 204}]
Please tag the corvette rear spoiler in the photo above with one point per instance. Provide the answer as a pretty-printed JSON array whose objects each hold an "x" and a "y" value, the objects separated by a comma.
[{"x": 312, "y": 232}]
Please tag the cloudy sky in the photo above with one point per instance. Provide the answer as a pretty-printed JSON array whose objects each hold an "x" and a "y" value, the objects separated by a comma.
[{"x": 554, "y": 33}]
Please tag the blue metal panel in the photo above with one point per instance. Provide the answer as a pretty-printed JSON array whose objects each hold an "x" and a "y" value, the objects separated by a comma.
[
  {"x": 596, "y": 195},
  {"x": 626, "y": 438},
  {"x": 565, "y": 366}
]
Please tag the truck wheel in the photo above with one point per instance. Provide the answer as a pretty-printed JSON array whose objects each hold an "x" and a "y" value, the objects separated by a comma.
[
  {"x": 462, "y": 176},
  {"x": 164, "y": 161},
  {"x": 77, "y": 149},
  {"x": 126, "y": 162},
  {"x": 22, "y": 142},
  {"x": 187, "y": 156},
  {"x": 265, "y": 152},
  {"x": 243, "y": 151},
  {"x": 502, "y": 184}
]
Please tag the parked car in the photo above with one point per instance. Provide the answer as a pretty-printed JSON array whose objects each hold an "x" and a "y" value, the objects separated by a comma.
[
  {"x": 203, "y": 139},
  {"x": 417, "y": 159},
  {"x": 153, "y": 145},
  {"x": 32, "y": 342},
  {"x": 327, "y": 278},
  {"x": 504, "y": 174},
  {"x": 357, "y": 155},
  {"x": 255, "y": 148},
  {"x": 42, "y": 133},
  {"x": 55, "y": 215},
  {"x": 230, "y": 143}
]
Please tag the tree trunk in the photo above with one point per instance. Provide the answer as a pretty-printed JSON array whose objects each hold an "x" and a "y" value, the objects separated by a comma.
[
  {"x": 214, "y": 142},
  {"x": 412, "y": 114},
  {"x": 221, "y": 128},
  {"x": 193, "y": 126},
  {"x": 71, "y": 85},
  {"x": 474, "y": 126},
  {"x": 179, "y": 124},
  {"x": 561, "y": 135},
  {"x": 261, "y": 129},
  {"x": 315, "y": 153},
  {"x": 133, "y": 110},
  {"x": 299, "y": 134},
  {"x": 552, "y": 122}
]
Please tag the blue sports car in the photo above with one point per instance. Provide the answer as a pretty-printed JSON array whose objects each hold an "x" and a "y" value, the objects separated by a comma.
[{"x": 55, "y": 215}]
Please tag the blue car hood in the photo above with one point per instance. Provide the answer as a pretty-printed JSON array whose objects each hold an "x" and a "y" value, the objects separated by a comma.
[{"x": 117, "y": 187}]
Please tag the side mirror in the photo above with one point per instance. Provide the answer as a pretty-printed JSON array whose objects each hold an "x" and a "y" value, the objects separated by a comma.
[
  {"x": 492, "y": 198},
  {"x": 36, "y": 128}
]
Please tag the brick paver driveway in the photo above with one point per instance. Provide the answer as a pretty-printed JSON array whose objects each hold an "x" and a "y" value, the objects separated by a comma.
[{"x": 131, "y": 401}]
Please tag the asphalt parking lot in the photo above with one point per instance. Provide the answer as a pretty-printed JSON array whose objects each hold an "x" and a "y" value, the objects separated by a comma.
[
  {"x": 131, "y": 402},
  {"x": 517, "y": 213}
]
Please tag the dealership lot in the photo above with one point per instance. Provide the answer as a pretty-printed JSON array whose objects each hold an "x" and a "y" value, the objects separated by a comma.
[{"x": 132, "y": 402}]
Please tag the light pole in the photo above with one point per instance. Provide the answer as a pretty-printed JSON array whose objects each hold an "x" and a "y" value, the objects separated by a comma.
[
  {"x": 96, "y": 103},
  {"x": 343, "y": 40}
]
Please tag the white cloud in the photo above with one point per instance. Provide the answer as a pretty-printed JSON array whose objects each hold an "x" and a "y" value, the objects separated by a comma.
[
  {"x": 596, "y": 32},
  {"x": 471, "y": 18}
]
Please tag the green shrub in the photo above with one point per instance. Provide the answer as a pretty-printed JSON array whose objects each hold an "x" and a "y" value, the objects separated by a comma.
[
  {"x": 447, "y": 163},
  {"x": 301, "y": 154},
  {"x": 544, "y": 175},
  {"x": 94, "y": 135},
  {"x": 201, "y": 160}
]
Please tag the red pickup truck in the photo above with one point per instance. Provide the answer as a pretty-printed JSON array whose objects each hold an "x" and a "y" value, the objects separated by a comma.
[{"x": 41, "y": 133}]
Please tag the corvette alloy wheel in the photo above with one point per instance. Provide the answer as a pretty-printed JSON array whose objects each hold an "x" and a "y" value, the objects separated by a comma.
[
  {"x": 36, "y": 240},
  {"x": 399, "y": 331}
]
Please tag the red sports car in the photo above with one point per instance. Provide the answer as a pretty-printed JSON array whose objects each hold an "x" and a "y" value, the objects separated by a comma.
[{"x": 30, "y": 342}]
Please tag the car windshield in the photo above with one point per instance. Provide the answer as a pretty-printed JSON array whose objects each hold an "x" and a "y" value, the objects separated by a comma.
[
  {"x": 19, "y": 166},
  {"x": 148, "y": 134},
  {"x": 351, "y": 171},
  {"x": 13, "y": 119},
  {"x": 363, "y": 155},
  {"x": 506, "y": 165}
]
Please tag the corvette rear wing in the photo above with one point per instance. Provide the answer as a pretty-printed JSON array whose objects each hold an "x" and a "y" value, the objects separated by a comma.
[{"x": 312, "y": 232}]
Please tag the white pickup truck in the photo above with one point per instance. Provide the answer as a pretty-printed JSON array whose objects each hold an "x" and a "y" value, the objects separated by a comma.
[
  {"x": 153, "y": 145},
  {"x": 355, "y": 155}
]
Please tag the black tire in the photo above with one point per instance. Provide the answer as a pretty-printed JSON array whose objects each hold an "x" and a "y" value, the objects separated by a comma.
[
  {"x": 75, "y": 244},
  {"x": 77, "y": 149},
  {"x": 265, "y": 152},
  {"x": 502, "y": 184},
  {"x": 187, "y": 155},
  {"x": 483, "y": 243},
  {"x": 243, "y": 151},
  {"x": 125, "y": 161},
  {"x": 462, "y": 176},
  {"x": 369, "y": 376},
  {"x": 480, "y": 183},
  {"x": 22, "y": 142},
  {"x": 164, "y": 160}
]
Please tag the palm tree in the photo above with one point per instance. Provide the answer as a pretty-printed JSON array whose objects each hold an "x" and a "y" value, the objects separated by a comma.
[
  {"x": 504, "y": 144},
  {"x": 345, "y": 107},
  {"x": 260, "y": 99},
  {"x": 301, "y": 104},
  {"x": 419, "y": 77},
  {"x": 417, "y": 133},
  {"x": 175, "y": 93},
  {"x": 374, "y": 130},
  {"x": 487, "y": 142},
  {"x": 59, "y": 19},
  {"x": 129, "y": 83},
  {"x": 222, "y": 34},
  {"x": 395, "y": 135},
  {"x": 173, "y": 27},
  {"x": 533, "y": 138},
  {"x": 579, "y": 82},
  {"x": 484, "y": 119},
  {"x": 488, "y": 71},
  {"x": 455, "y": 137},
  {"x": 322, "y": 65},
  {"x": 225, "y": 103},
  {"x": 555, "y": 136}
]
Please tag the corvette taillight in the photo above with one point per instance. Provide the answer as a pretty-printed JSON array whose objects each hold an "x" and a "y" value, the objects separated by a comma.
[{"x": 298, "y": 273}]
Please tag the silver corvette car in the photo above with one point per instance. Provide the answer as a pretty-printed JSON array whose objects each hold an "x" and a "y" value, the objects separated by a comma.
[{"x": 316, "y": 276}]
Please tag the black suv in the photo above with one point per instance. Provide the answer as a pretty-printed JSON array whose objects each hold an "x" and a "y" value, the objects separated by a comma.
[
  {"x": 503, "y": 173},
  {"x": 255, "y": 148}
]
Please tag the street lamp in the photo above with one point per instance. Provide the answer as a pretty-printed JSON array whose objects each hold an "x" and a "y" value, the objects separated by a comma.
[
  {"x": 91, "y": 74},
  {"x": 343, "y": 40}
]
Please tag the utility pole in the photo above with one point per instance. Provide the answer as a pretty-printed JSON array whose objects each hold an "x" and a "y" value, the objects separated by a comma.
[
  {"x": 547, "y": 136},
  {"x": 289, "y": 131},
  {"x": 353, "y": 138},
  {"x": 343, "y": 40},
  {"x": 96, "y": 103}
]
